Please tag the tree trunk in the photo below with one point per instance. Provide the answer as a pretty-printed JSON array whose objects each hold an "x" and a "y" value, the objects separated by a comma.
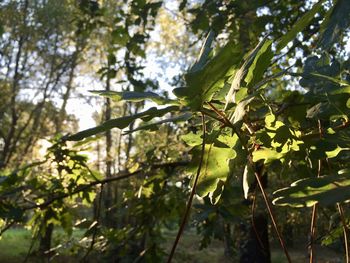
[
  {"x": 228, "y": 242},
  {"x": 45, "y": 241},
  {"x": 255, "y": 247},
  {"x": 6, "y": 153},
  {"x": 108, "y": 198}
]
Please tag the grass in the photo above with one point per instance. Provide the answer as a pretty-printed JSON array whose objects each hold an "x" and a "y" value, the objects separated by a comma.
[{"x": 14, "y": 245}]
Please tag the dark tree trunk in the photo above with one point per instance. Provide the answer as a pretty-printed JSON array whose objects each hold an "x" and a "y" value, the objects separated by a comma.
[
  {"x": 45, "y": 241},
  {"x": 228, "y": 242},
  {"x": 255, "y": 247}
]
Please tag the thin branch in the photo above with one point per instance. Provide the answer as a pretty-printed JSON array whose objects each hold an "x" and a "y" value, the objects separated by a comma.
[
  {"x": 212, "y": 115},
  {"x": 313, "y": 233},
  {"x": 257, "y": 177},
  {"x": 318, "y": 134},
  {"x": 184, "y": 19},
  {"x": 253, "y": 223},
  {"x": 120, "y": 176},
  {"x": 97, "y": 218},
  {"x": 189, "y": 203},
  {"x": 313, "y": 222},
  {"x": 222, "y": 116},
  {"x": 345, "y": 231},
  {"x": 32, "y": 243},
  {"x": 272, "y": 216},
  {"x": 314, "y": 208},
  {"x": 6, "y": 227}
]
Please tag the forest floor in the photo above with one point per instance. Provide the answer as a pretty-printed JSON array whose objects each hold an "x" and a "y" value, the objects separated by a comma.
[
  {"x": 188, "y": 251},
  {"x": 15, "y": 243}
]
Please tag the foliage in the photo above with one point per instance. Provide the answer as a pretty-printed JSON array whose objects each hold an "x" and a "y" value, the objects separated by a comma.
[{"x": 273, "y": 86}]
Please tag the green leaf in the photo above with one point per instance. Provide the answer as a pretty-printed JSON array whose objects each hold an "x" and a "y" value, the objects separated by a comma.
[
  {"x": 321, "y": 75},
  {"x": 240, "y": 110},
  {"x": 325, "y": 190},
  {"x": 248, "y": 179},
  {"x": 154, "y": 126},
  {"x": 248, "y": 64},
  {"x": 261, "y": 62},
  {"x": 268, "y": 155},
  {"x": 333, "y": 236},
  {"x": 340, "y": 90},
  {"x": 335, "y": 152},
  {"x": 204, "y": 53},
  {"x": 205, "y": 79},
  {"x": 335, "y": 80},
  {"x": 215, "y": 167},
  {"x": 192, "y": 139},
  {"x": 241, "y": 94},
  {"x": 121, "y": 122},
  {"x": 133, "y": 96},
  {"x": 336, "y": 22},
  {"x": 228, "y": 140},
  {"x": 120, "y": 36},
  {"x": 299, "y": 26}
]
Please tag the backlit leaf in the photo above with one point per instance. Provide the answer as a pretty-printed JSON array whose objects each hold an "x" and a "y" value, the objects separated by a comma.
[
  {"x": 155, "y": 125},
  {"x": 260, "y": 64},
  {"x": 133, "y": 96},
  {"x": 267, "y": 155},
  {"x": 121, "y": 122},
  {"x": 215, "y": 167}
]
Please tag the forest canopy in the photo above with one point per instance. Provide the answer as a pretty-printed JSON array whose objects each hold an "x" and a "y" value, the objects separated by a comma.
[{"x": 129, "y": 126}]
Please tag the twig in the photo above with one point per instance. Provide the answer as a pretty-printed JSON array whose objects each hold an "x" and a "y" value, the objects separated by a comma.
[
  {"x": 318, "y": 134},
  {"x": 257, "y": 177},
  {"x": 314, "y": 208},
  {"x": 222, "y": 116},
  {"x": 189, "y": 203},
  {"x": 120, "y": 176},
  {"x": 272, "y": 216},
  {"x": 7, "y": 226},
  {"x": 253, "y": 223},
  {"x": 211, "y": 114},
  {"x": 313, "y": 232},
  {"x": 313, "y": 222},
  {"x": 97, "y": 218},
  {"x": 345, "y": 231},
  {"x": 31, "y": 247}
]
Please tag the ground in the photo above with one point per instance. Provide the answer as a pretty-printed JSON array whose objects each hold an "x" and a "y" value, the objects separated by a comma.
[{"x": 15, "y": 243}]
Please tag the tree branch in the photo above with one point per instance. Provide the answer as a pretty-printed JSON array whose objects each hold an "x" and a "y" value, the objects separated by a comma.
[{"x": 119, "y": 176}]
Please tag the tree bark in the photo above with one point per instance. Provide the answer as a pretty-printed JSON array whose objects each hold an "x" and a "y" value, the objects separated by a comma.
[
  {"x": 228, "y": 242},
  {"x": 255, "y": 247},
  {"x": 108, "y": 198}
]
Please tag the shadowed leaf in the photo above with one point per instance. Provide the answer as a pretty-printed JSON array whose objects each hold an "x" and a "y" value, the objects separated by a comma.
[{"x": 325, "y": 190}]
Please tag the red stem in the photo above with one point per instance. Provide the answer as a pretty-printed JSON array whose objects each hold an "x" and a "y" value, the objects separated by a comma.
[{"x": 189, "y": 203}]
